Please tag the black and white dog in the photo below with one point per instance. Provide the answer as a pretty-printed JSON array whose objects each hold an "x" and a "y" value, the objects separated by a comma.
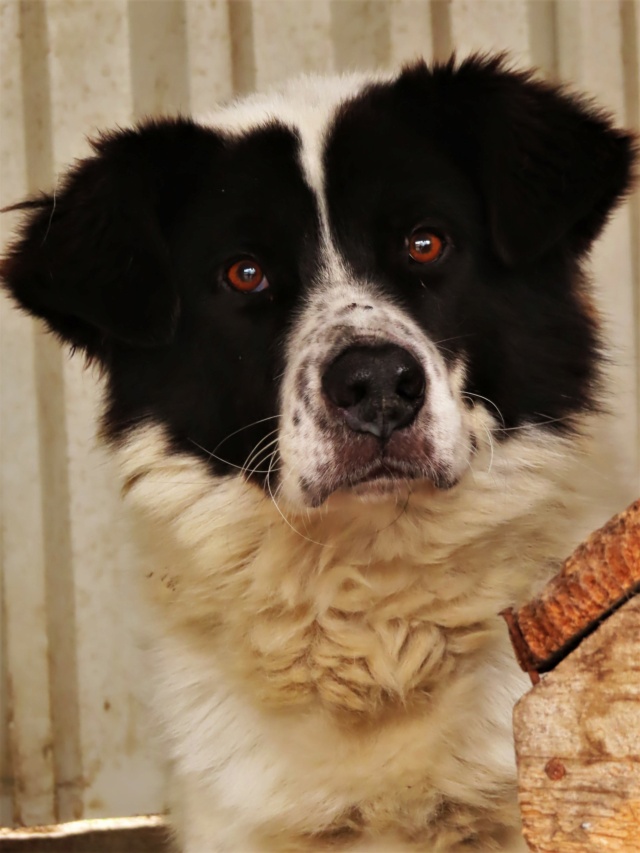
[{"x": 351, "y": 372}]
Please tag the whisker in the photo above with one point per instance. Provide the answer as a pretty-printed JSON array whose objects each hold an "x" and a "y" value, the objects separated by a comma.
[
  {"x": 220, "y": 458},
  {"x": 257, "y": 452},
  {"x": 487, "y": 400},
  {"x": 454, "y": 338},
  {"x": 488, "y": 432},
  {"x": 253, "y": 455},
  {"x": 256, "y": 449},
  {"x": 248, "y": 426},
  {"x": 53, "y": 210},
  {"x": 537, "y": 423},
  {"x": 284, "y": 518}
]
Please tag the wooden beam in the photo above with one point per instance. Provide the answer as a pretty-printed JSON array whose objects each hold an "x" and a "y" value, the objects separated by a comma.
[
  {"x": 578, "y": 745},
  {"x": 147, "y": 834}
]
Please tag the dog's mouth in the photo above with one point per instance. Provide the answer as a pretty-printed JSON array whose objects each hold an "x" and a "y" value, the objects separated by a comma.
[
  {"x": 382, "y": 477},
  {"x": 382, "y": 471}
]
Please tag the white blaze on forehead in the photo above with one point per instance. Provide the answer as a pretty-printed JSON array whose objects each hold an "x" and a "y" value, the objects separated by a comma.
[{"x": 307, "y": 105}]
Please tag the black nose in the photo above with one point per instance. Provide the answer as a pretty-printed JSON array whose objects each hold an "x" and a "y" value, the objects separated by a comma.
[{"x": 379, "y": 389}]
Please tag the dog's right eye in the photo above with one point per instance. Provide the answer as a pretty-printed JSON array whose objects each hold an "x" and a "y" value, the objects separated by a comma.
[{"x": 247, "y": 276}]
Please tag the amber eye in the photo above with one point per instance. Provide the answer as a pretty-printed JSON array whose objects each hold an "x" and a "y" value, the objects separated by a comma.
[
  {"x": 246, "y": 275},
  {"x": 425, "y": 247}
]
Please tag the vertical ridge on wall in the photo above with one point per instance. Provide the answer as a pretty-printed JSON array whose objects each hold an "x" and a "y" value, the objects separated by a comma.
[
  {"x": 91, "y": 88},
  {"x": 630, "y": 18},
  {"x": 542, "y": 35},
  {"x": 410, "y": 32},
  {"x": 73, "y": 736},
  {"x": 491, "y": 25},
  {"x": 208, "y": 33},
  {"x": 360, "y": 34},
  {"x": 26, "y": 700},
  {"x": 158, "y": 64},
  {"x": 288, "y": 43},
  {"x": 243, "y": 62},
  {"x": 586, "y": 30},
  {"x": 52, "y": 443}
]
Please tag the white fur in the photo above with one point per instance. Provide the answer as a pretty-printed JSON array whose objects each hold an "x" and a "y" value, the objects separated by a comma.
[{"x": 249, "y": 756}]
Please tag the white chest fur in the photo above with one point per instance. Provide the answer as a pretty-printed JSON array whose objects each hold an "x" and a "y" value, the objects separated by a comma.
[{"x": 344, "y": 672}]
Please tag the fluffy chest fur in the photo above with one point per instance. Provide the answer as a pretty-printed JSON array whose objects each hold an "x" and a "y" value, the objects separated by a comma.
[{"x": 347, "y": 673}]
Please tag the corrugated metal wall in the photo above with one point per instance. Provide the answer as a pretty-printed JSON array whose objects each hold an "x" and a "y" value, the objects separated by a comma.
[{"x": 73, "y": 737}]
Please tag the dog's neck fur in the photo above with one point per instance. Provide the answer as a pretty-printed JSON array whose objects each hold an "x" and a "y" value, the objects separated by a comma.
[
  {"x": 354, "y": 609},
  {"x": 378, "y": 621}
]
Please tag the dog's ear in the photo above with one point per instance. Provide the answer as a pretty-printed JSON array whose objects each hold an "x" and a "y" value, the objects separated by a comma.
[
  {"x": 550, "y": 165},
  {"x": 92, "y": 259}
]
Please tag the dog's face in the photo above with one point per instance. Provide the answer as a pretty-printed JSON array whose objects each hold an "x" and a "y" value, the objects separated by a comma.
[{"x": 333, "y": 288}]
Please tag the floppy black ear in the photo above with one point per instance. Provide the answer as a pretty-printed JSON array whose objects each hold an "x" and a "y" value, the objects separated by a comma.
[
  {"x": 92, "y": 259},
  {"x": 550, "y": 166}
]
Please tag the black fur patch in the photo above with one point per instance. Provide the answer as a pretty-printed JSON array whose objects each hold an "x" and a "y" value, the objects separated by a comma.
[
  {"x": 127, "y": 263},
  {"x": 216, "y": 383},
  {"x": 94, "y": 261},
  {"x": 519, "y": 179}
]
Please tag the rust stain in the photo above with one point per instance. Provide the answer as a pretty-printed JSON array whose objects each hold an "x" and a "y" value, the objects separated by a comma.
[{"x": 555, "y": 769}]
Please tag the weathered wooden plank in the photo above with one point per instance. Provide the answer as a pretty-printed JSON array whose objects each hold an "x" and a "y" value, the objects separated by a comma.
[
  {"x": 578, "y": 746},
  {"x": 598, "y": 577},
  {"x": 133, "y": 835}
]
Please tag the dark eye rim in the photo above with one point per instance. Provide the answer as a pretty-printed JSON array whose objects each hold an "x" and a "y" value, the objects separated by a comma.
[
  {"x": 236, "y": 259},
  {"x": 440, "y": 233}
]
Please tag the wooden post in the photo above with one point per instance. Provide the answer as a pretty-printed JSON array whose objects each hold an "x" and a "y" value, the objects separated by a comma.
[{"x": 577, "y": 737}]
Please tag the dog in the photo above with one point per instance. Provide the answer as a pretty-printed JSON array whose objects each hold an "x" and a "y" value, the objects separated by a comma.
[{"x": 352, "y": 371}]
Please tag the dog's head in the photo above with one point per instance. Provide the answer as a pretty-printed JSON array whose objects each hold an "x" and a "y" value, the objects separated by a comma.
[{"x": 326, "y": 288}]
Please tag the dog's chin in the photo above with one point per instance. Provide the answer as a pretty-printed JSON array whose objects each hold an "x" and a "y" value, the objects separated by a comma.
[
  {"x": 381, "y": 490},
  {"x": 380, "y": 486}
]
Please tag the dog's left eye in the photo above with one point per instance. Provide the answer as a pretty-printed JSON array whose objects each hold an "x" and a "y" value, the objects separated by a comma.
[
  {"x": 247, "y": 276},
  {"x": 426, "y": 246}
]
